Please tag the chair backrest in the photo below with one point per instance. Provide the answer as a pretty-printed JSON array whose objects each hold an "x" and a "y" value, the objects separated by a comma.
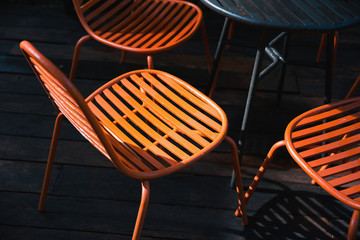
[
  {"x": 68, "y": 100},
  {"x": 325, "y": 142},
  {"x": 102, "y": 15},
  {"x": 138, "y": 25}
]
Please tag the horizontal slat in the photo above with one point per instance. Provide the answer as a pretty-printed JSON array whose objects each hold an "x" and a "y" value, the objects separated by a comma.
[
  {"x": 150, "y": 26},
  {"x": 138, "y": 27},
  {"x": 156, "y": 121},
  {"x": 165, "y": 115},
  {"x": 88, "y": 5},
  {"x": 177, "y": 28},
  {"x": 134, "y": 133},
  {"x": 340, "y": 168},
  {"x": 125, "y": 25},
  {"x": 327, "y": 136},
  {"x": 98, "y": 10},
  {"x": 179, "y": 101},
  {"x": 168, "y": 26},
  {"x": 121, "y": 137},
  {"x": 191, "y": 97},
  {"x": 116, "y": 24},
  {"x": 351, "y": 191},
  {"x": 165, "y": 112},
  {"x": 156, "y": 27},
  {"x": 173, "y": 109},
  {"x": 331, "y": 147},
  {"x": 133, "y": 25},
  {"x": 329, "y": 114},
  {"x": 110, "y": 14},
  {"x": 326, "y": 126},
  {"x": 145, "y": 127},
  {"x": 345, "y": 179},
  {"x": 335, "y": 157}
]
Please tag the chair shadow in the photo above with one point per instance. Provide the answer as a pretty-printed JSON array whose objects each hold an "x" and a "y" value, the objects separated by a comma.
[{"x": 299, "y": 215}]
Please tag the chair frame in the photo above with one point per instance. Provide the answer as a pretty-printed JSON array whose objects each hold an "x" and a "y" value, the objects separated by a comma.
[
  {"x": 315, "y": 175},
  {"x": 147, "y": 51},
  {"x": 102, "y": 135}
]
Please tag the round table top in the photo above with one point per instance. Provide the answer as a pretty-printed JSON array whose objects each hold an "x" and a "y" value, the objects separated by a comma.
[{"x": 291, "y": 15}]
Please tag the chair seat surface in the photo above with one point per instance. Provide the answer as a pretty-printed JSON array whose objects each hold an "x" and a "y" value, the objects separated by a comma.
[
  {"x": 160, "y": 120},
  {"x": 325, "y": 142},
  {"x": 296, "y": 15},
  {"x": 141, "y": 26}
]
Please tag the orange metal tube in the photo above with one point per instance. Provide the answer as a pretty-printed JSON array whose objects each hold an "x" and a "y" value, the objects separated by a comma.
[
  {"x": 206, "y": 45},
  {"x": 150, "y": 62},
  {"x": 123, "y": 55},
  {"x": 322, "y": 44},
  {"x": 50, "y": 161},
  {"x": 262, "y": 169},
  {"x": 79, "y": 43},
  {"x": 230, "y": 33},
  {"x": 142, "y": 209},
  {"x": 353, "y": 226},
  {"x": 353, "y": 88},
  {"x": 238, "y": 180}
]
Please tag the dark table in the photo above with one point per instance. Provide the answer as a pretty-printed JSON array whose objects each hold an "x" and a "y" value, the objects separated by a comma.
[{"x": 286, "y": 16}]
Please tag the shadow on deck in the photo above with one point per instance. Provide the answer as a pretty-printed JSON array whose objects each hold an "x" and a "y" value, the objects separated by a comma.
[{"x": 89, "y": 199}]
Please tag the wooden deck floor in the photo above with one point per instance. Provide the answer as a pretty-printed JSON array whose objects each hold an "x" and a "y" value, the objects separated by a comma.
[{"x": 89, "y": 199}]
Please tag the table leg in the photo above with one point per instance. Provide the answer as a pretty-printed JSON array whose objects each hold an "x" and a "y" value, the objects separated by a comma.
[
  {"x": 329, "y": 75},
  {"x": 217, "y": 58},
  {"x": 285, "y": 51},
  {"x": 252, "y": 87}
]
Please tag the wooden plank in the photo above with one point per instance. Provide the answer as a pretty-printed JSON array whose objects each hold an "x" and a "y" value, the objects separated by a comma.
[
  {"x": 24, "y": 176},
  {"x": 29, "y": 84},
  {"x": 33, "y": 16},
  {"x": 180, "y": 221},
  {"x": 104, "y": 216},
  {"x": 19, "y": 148},
  {"x": 293, "y": 215},
  {"x": 6, "y": 45},
  {"x": 26, "y": 104},
  {"x": 37, "y": 34},
  {"x": 29, "y": 233},
  {"x": 210, "y": 191}
]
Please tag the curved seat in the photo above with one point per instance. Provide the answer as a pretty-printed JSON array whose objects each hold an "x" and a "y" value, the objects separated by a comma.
[
  {"x": 163, "y": 121},
  {"x": 139, "y": 26},
  {"x": 325, "y": 143},
  {"x": 148, "y": 123}
]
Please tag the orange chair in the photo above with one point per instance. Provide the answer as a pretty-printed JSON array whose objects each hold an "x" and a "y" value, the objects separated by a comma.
[
  {"x": 140, "y": 26},
  {"x": 325, "y": 142},
  {"x": 148, "y": 123}
]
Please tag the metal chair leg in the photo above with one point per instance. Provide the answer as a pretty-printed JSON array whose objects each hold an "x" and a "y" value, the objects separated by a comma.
[
  {"x": 240, "y": 211},
  {"x": 353, "y": 226},
  {"x": 230, "y": 33},
  {"x": 123, "y": 55},
  {"x": 254, "y": 79},
  {"x": 50, "y": 161},
  {"x": 75, "y": 60},
  {"x": 354, "y": 87},
  {"x": 206, "y": 45},
  {"x": 142, "y": 209},
  {"x": 321, "y": 47},
  {"x": 150, "y": 62},
  {"x": 217, "y": 59},
  {"x": 262, "y": 169}
]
